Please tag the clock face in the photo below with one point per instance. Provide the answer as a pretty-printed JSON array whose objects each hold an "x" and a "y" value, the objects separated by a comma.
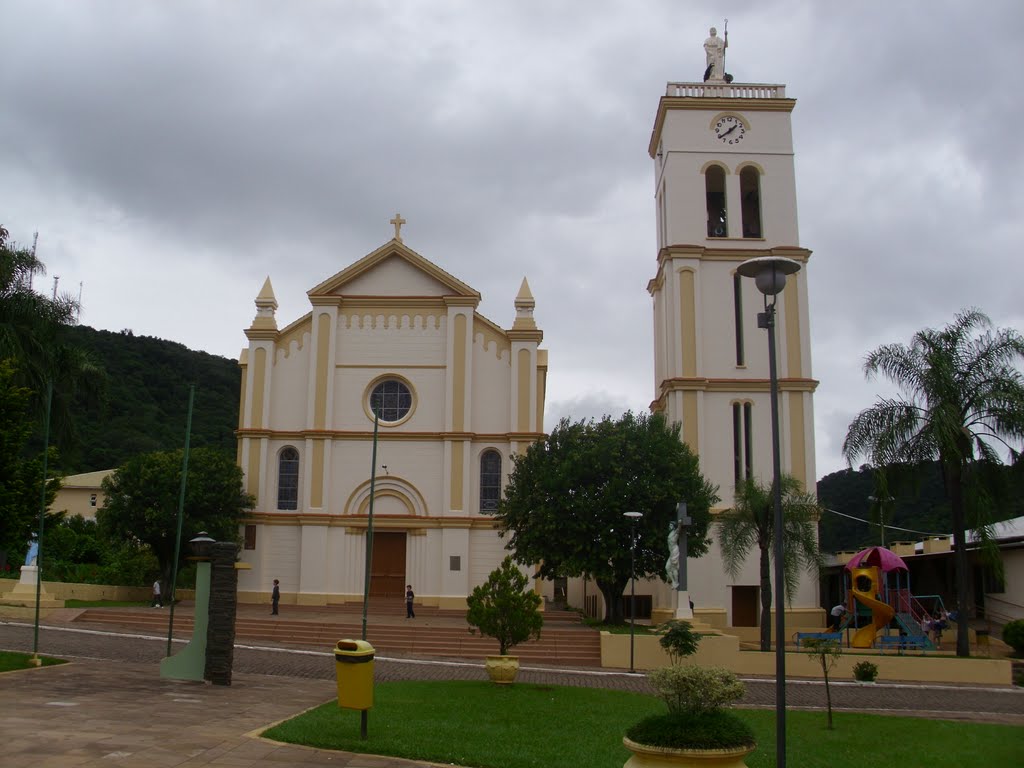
[{"x": 729, "y": 129}]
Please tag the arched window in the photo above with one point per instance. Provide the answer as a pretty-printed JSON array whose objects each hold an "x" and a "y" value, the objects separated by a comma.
[
  {"x": 750, "y": 194},
  {"x": 490, "y": 480},
  {"x": 742, "y": 441},
  {"x": 737, "y": 305},
  {"x": 714, "y": 184},
  {"x": 288, "y": 479},
  {"x": 391, "y": 400}
]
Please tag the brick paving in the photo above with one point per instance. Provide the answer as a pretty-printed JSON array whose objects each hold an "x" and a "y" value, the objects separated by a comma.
[{"x": 111, "y": 707}]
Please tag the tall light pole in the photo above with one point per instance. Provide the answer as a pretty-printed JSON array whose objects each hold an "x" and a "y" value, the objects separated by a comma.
[
  {"x": 633, "y": 517},
  {"x": 375, "y": 405},
  {"x": 769, "y": 273},
  {"x": 881, "y": 501}
]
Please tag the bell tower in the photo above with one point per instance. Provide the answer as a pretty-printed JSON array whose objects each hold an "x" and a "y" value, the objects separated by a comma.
[{"x": 725, "y": 192}]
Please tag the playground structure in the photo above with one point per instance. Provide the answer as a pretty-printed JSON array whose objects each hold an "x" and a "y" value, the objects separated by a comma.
[{"x": 879, "y": 600}]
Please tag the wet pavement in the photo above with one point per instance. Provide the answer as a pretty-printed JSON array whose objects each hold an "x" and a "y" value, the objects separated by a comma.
[{"x": 111, "y": 708}]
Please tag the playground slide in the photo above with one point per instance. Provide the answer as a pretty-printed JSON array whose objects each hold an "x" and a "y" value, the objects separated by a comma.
[{"x": 881, "y": 615}]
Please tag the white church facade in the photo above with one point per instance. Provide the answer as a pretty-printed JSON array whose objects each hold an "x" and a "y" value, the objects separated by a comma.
[{"x": 456, "y": 397}]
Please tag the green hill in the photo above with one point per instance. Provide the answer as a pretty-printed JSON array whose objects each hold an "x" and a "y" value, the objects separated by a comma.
[
  {"x": 920, "y": 506},
  {"x": 145, "y": 404}
]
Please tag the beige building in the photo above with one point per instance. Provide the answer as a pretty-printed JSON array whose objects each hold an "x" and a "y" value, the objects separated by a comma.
[
  {"x": 457, "y": 396},
  {"x": 81, "y": 494}
]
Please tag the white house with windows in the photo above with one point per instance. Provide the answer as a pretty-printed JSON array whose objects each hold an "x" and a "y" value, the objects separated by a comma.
[{"x": 455, "y": 397}]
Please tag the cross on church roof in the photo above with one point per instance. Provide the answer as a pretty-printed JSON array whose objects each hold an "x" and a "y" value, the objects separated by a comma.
[{"x": 398, "y": 221}]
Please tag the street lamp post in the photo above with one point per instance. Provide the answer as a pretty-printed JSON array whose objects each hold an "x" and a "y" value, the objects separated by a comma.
[
  {"x": 881, "y": 501},
  {"x": 633, "y": 517},
  {"x": 769, "y": 273}
]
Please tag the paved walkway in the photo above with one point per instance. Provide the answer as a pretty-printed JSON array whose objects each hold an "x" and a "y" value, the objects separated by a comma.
[{"x": 110, "y": 707}]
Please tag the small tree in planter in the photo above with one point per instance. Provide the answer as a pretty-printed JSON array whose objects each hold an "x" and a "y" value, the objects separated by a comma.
[
  {"x": 827, "y": 653},
  {"x": 697, "y": 727},
  {"x": 679, "y": 640},
  {"x": 502, "y": 608}
]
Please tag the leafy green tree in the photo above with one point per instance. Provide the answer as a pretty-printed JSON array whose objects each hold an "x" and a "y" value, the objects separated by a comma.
[
  {"x": 142, "y": 501},
  {"x": 503, "y": 608},
  {"x": 78, "y": 551},
  {"x": 751, "y": 523},
  {"x": 20, "y": 478},
  {"x": 565, "y": 499},
  {"x": 962, "y": 402},
  {"x": 32, "y": 329}
]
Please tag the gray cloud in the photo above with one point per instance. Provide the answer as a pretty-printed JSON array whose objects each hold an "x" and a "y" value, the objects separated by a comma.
[{"x": 173, "y": 155}]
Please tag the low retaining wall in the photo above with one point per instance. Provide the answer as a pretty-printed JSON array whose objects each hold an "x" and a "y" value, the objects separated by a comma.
[
  {"x": 724, "y": 651},
  {"x": 60, "y": 590}
]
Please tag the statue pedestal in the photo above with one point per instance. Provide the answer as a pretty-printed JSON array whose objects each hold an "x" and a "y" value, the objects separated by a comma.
[
  {"x": 683, "y": 609},
  {"x": 24, "y": 592}
]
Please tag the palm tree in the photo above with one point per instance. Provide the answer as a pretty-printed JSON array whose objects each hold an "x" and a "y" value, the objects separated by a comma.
[
  {"x": 962, "y": 403},
  {"x": 31, "y": 335},
  {"x": 752, "y": 522}
]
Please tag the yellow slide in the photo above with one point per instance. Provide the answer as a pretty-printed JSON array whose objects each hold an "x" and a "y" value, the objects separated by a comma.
[{"x": 864, "y": 587}]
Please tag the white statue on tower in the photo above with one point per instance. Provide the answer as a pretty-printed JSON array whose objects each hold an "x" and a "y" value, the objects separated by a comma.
[{"x": 714, "y": 50}]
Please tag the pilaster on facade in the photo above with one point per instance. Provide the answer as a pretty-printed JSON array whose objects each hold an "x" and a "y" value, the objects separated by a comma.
[
  {"x": 458, "y": 399},
  {"x": 320, "y": 396},
  {"x": 459, "y": 362}
]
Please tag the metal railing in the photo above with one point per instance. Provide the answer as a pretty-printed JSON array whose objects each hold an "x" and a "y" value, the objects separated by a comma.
[{"x": 726, "y": 90}]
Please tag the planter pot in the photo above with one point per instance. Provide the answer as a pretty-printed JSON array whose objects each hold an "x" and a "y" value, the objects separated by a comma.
[
  {"x": 645, "y": 756},
  {"x": 502, "y": 669}
]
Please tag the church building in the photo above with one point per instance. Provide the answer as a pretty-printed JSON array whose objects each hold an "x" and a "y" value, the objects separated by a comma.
[{"x": 393, "y": 351}]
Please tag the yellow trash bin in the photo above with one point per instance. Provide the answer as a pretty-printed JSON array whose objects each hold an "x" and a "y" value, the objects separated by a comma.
[{"x": 353, "y": 663}]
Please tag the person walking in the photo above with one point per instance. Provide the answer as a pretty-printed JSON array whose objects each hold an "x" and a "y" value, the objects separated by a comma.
[
  {"x": 275, "y": 597},
  {"x": 409, "y": 596},
  {"x": 157, "y": 600}
]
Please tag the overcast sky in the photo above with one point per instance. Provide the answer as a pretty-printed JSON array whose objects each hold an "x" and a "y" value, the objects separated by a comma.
[{"x": 171, "y": 155}]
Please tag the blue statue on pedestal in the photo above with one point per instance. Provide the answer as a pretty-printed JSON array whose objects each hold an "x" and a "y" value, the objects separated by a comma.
[{"x": 33, "y": 551}]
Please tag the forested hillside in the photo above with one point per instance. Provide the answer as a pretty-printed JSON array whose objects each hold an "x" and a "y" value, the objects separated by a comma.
[
  {"x": 921, "y": 506},
  {"x": 145, "y": 403}
]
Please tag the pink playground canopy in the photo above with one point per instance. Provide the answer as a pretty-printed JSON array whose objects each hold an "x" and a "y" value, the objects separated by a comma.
[{"x": 879, "y": 556}]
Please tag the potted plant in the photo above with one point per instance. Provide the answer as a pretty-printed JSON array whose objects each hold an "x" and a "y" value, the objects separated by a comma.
[
  {"x": 865, "y": 672},
  {"x": 502, "y": 608},
  {"x": 697, "y": 731}
]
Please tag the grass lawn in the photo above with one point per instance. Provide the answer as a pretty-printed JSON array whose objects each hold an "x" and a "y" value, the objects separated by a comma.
[
  {"x": 104, "y": 603},
  {"x": 9, "y": 660},
  {"x": 470, "y": 723}
]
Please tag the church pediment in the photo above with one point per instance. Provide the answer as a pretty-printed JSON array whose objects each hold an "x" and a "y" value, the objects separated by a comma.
[{"x": 393, "y": 270}]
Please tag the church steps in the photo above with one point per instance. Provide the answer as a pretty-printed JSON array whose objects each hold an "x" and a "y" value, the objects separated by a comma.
[{"x": 560, "y": 643}]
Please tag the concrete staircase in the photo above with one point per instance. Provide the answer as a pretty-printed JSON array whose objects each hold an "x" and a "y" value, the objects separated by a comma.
[{"x": 434, "y": 632}]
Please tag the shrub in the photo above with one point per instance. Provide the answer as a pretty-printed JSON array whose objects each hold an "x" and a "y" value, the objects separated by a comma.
[
  {"x": 707, "y": 730},
  {"x": 500, "y": 608},
  {"x": 1013, "y": 635},
  {"x": 679, "y": 640},
  {"x": 694, "y": 690},
  {"x": 865, "y": 671}
]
